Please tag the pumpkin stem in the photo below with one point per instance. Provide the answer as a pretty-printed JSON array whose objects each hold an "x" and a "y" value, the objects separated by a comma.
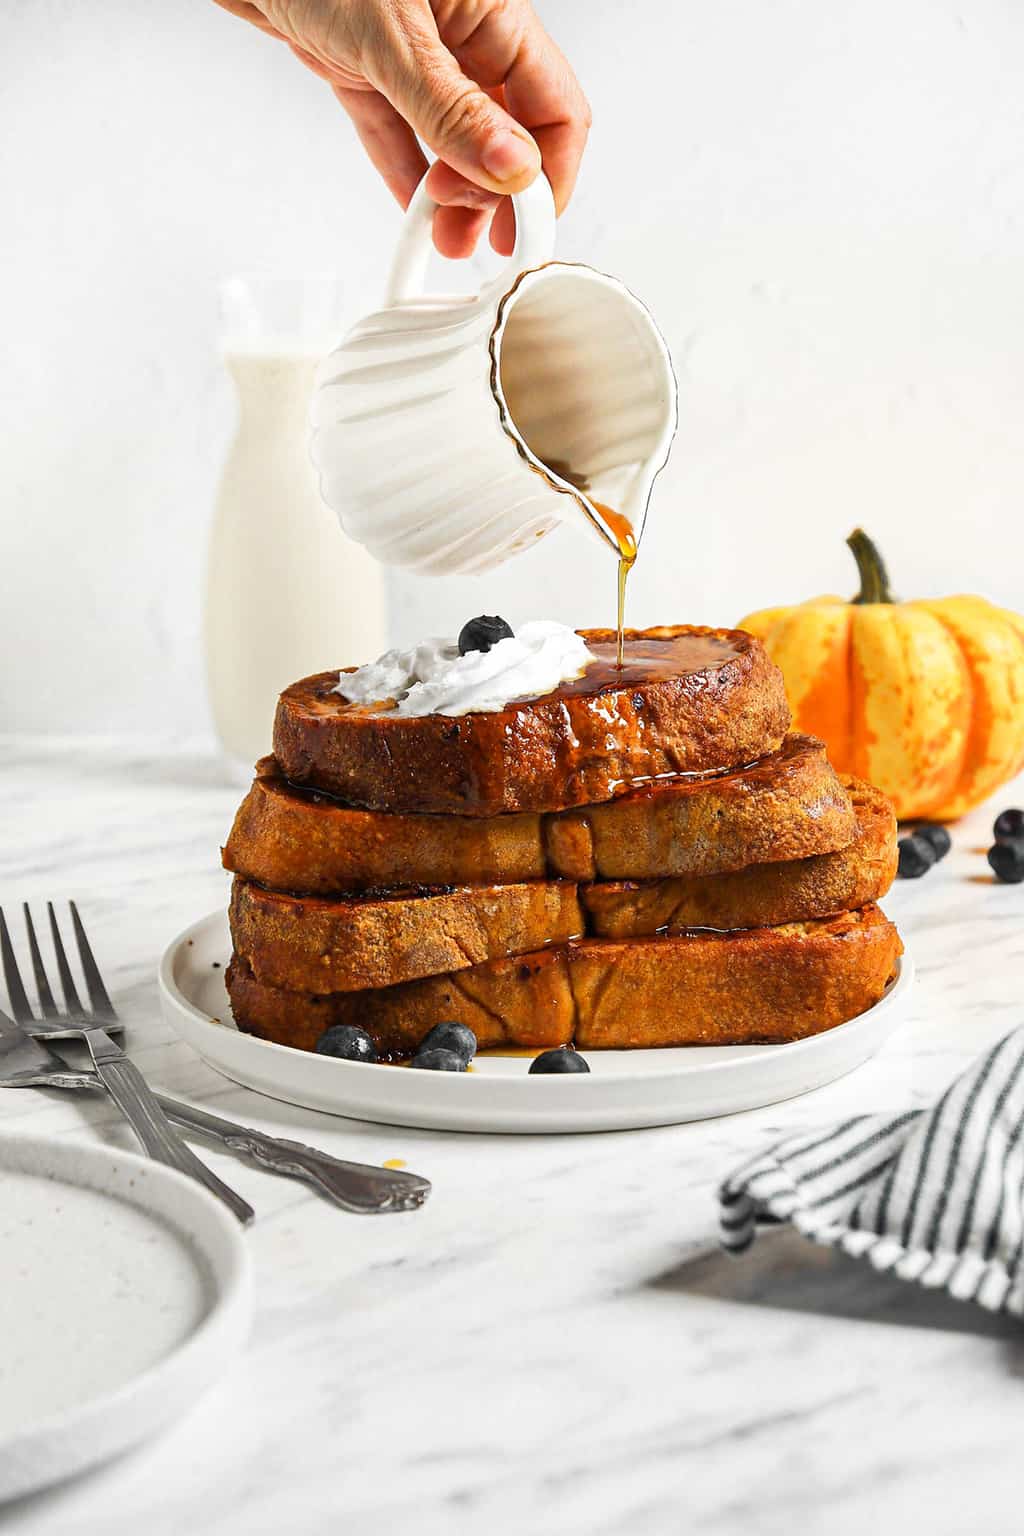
[{"x": 874, "y": 578}]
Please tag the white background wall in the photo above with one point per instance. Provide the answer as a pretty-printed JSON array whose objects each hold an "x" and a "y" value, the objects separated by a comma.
[{"x": 823, "y": 205}]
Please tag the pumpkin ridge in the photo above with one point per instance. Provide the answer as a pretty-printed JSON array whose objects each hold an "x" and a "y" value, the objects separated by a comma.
[
  {"x": 927, "y": 700},
  {"x": 951, "y": 774},
  {"x": 983, "y": 768},
  {"x": 856, "y": 766},
  {"x": 1016, "y": 624}
]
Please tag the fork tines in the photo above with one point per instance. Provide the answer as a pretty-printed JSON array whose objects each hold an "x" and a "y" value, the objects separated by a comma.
[{"x": 99, "y": 998}]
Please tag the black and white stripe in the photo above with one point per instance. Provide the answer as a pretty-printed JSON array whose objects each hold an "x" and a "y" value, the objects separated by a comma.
[{"x": 935, "y": 1196}]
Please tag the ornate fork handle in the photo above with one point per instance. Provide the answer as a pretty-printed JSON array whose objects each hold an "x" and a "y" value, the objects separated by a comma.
[
  {"x": 352, "y": 1185},
  {"x": 138, "y": 1103},
  {"x": 359, "y": 1187}
]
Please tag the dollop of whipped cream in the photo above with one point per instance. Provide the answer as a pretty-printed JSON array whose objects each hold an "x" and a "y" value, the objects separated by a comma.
[{"x": 433, "y": 679}]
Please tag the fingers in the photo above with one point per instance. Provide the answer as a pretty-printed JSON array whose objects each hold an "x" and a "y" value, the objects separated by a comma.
[
  {"x": 505, "y": 47},
  {"x": 464, "y": 211},
  {"x": 247, "y": 12},
  {"x": 457, "y": 230},
  {"x": 511, "y": 54},
  {"x": 544, "y": 95},
  {"x": 387, "y": 139},
  {"x": 408, "y": 63},
  {"x": 451, "y": 190},
  {"x": 398, "y": 76},
  {"x": 503, "y": 229}
]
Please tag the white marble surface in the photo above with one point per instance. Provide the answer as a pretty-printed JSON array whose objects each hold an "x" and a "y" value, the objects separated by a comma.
[{"x": 553, "y": 1344}]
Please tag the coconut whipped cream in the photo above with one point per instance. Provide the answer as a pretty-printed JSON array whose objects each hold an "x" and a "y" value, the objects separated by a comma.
[{"x": 433, "y": 679}]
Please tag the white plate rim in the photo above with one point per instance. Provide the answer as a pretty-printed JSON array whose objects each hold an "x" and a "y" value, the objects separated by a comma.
[
  {"x": 102, "y": 1427},
  {"x": 513, "y": 1091}
]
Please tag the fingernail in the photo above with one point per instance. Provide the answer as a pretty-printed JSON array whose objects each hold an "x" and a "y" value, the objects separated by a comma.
[{"x": 506, "y": 155}]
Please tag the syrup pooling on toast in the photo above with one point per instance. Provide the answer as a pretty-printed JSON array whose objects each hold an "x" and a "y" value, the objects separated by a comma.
[{"x": 646, "y": 660}]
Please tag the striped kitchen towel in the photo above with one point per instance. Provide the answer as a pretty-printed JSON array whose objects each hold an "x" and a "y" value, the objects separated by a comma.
[{"x": 935, "y": 1196}]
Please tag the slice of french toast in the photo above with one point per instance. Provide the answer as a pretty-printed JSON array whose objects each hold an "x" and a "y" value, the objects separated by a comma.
[
  {"x": 789, "y": 805},
  {"x": 687, "y": 700},
  {"x": 310, "y": 944},
  {"x": 785, "y": 806},
  {"x": 754, "y": 986},
  {"x": 761, "y": 895},
  {"x": 296, "y": 839},
  {"x": 524, "y": 1001},
  {"x": 376, "y": 939},
  {"x": 765, "y": 985}
]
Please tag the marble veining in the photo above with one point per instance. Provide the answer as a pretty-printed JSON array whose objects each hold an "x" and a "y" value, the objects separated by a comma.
[{"x": 554, "y": 1344}]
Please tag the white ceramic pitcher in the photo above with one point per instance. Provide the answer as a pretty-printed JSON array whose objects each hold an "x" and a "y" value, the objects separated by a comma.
[{"x": 450, "y": 432}]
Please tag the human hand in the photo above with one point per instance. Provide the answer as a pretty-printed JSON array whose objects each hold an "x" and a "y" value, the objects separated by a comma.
[{"x": 479, "y": 81}]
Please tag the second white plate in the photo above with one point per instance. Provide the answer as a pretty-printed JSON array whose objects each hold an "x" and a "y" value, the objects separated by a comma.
[
  {"x": 624, "y": 1090},
  {"x": 126, "y": 1290}
]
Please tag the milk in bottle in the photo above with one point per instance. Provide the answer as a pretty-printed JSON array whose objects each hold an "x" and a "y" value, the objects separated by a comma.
[{"x": 287, "y": 593}]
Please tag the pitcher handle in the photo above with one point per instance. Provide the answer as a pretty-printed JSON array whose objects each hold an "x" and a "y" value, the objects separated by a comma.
[{"x": 535, "y": 240}]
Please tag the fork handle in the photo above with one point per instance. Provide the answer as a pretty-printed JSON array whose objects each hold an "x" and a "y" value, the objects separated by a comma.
[
  {"x": 137, "y": 1102},
  {"x": 358, "y": 1187}
]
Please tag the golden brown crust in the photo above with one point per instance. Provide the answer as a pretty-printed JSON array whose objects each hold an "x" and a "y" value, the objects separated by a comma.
[
  {"x": 755, "y": 986},
  {"x": 309, "y": 944},
  {"x": 378, "y": 939},
  {"x": 763, "y": 985},
  {"x": 300, "y": 840},
  {"x": 689, "y": 700},
  {"x": 525, "y": 1001},
  {"x": 761, "y": 895},
  {"x": 790, "y": 805}
]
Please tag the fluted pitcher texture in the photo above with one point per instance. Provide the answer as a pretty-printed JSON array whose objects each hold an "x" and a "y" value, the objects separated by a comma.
[{"x": 451, "y": 432}]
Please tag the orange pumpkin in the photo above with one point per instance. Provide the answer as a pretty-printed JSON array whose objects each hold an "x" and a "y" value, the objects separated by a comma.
[{"x": 924, "y": 699}]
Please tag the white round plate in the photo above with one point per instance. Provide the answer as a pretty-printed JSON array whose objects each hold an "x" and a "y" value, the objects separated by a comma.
[
  {"x": 126, "y": 1290},
  {"x": 623, "y": 1091}
]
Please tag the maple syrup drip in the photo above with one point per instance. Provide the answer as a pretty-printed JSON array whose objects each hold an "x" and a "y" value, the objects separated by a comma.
[{"x": 621, "y": 529}]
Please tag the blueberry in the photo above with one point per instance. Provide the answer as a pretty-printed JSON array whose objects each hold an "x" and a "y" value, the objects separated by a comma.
[
  {"x": 916, "y": 857},
  {"x": 348, "y": 1042},
  {"x": 1008, "y": 824},
  {"x": 480, "y": 634},
  {"x": 564, "y": 1059},
  {"x": 438, "y": 1061},
  {"x": 1007, "y": 861},
  {"x": 450, "y": 1036},
  {"x": 935, "y": 833}
]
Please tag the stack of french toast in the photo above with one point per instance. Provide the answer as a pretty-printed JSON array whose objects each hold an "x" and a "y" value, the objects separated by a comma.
[{"x": 643, "y": 857}]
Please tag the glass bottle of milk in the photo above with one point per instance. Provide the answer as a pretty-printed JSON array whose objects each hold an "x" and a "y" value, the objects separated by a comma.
[{"x": 287, "y": 593}]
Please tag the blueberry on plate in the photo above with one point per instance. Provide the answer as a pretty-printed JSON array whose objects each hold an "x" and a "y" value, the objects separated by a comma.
[
  {"x": 564, "y": 1059},
  {"x": 935, "y": 833},
  {"x": 438, "y": 1061},
  {"x": 450, "y": 1036},
  {"x": 1008, "y": 824},
  {"x": 916, "y": 857},
  {"x": 483, "y": 632},
  {"x": 347, "y": 1042},
  {"x": 1007, "y": 861}
]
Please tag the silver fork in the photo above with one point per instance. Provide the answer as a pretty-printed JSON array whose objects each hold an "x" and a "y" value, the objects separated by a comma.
[
  {"x": 121, "y": 1077},
  {"x": 27, "y": 1062}
]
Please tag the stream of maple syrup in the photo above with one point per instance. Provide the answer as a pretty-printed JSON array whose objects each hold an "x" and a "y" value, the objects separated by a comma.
[{"x": 621, "y": 530}]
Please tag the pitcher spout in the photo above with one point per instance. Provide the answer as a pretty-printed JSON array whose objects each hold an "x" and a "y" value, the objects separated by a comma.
[{"x": 585, "y": 389}]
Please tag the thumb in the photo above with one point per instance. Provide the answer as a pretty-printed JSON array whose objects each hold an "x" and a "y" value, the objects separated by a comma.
[{"x": 452, "y": 115}]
